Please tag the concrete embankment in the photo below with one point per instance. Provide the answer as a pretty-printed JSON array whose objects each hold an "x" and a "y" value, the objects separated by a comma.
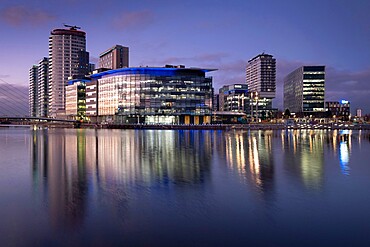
[
  {"x": 232, "y": 126},
  {"x": 259, "y": 126}
]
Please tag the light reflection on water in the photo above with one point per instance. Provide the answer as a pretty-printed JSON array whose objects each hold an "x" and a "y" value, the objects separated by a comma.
[{"x": 158, "y": 187}]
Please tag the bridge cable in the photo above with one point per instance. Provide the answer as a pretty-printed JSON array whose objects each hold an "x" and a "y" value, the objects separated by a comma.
[{"x": 11, "y": 102}]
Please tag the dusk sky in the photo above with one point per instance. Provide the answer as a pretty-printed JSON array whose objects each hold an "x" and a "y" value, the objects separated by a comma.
[{"x": 205, "y": 33}]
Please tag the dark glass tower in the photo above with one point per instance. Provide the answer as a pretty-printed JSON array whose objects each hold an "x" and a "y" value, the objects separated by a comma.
[{"x": 304, "y": 91}]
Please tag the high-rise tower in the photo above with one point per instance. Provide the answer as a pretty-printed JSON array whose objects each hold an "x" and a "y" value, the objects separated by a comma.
[
  {"x": 114, "y": 58},
  {"x": 261, "y": 75},
  {"x": 42, "y": 87},
  {"x": 67, "y": 57},
  {"x": 33, "y": 91},
  {"x": 261, "y": 81}
]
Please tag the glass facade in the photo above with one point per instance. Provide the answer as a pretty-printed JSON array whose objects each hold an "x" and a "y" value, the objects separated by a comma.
[
  {"x": 234, "y": 98},
  {"x": 304, "y": 91},
  {"x": 261, "y": 108},
  {"x": 155, "y": 95},
  {"x": 76, "y": 99}
]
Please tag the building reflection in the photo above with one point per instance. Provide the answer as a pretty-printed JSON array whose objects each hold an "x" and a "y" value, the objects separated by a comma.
[
  {"x": 303, "y": 152},
  {"x": 345, "y": 146},
  {"x": 72, "y": 167},
  {"x": 39, "y": 154},
  {"x": 250, "y": 154},
  {"x": 59, "y": 174},
  {"x": 153, "y": 156},
  {"x": 69, "y": 165},
  {"x": 340, "y": 143}
]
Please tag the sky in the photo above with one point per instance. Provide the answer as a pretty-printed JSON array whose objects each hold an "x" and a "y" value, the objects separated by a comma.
[{"x": 217, "y": 34}]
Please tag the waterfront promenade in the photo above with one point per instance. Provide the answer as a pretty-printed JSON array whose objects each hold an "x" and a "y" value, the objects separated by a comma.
[{"x": 249, "y": 126}]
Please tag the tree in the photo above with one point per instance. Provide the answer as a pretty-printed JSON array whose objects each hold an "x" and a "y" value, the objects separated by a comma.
[
  {"x": 328, "y": 114},
  {"x": 287, "y": 113}
]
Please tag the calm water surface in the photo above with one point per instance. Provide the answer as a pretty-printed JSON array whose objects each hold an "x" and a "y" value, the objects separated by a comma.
[{"x": 67, "y": 187}]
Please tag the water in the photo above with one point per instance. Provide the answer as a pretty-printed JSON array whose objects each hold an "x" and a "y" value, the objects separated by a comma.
[{"x": 67, "y": 187}]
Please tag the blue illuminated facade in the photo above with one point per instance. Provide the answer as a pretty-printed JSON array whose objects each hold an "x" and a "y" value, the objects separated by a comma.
[{"x": 167, "y": 95}]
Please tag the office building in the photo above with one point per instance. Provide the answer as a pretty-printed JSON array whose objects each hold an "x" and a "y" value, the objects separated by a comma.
[
  {"x": 261, "y": 75},
  {"x": 83, "y": 65},
  {"x": 304, "y": 91},
  {"x": 42, "y": 87},
  {"x": 67, "y": 58},
  {"x": 234, "y": 98},
  {"x": 92, "y": 100},
  {"x": 338, "y": 109},
  {"x": 359, "y": 112},
  {"x": 114, "y": 58},
  {"x": 167, "y": 95},
  {"x": 261, "y": 82},
  {"x": 216, "y": 102},
  {"x": 76, "y": 99},
  {"x": 91, "y": 68},
  {"x": 32, "y": 94}
]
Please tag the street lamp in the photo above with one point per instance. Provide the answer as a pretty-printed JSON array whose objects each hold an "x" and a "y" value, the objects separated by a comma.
[{"x": 256, "y": 98}]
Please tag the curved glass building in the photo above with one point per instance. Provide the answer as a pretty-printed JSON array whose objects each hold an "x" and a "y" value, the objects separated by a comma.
[{"x": 168, "y": 95}]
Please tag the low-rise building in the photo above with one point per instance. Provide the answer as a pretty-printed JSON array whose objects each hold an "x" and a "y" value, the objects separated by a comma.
[
  {"x": 234, "y": 97},
  {"x": 166, "y": 95},
  {"x": 338, "y": 109},
  {"x": 76, "y": 99}
]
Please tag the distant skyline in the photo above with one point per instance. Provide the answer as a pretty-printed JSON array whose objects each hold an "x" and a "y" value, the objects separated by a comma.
[{"x": 203, "y": 33}]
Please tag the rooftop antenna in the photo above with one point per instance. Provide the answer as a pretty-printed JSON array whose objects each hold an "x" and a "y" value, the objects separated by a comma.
[{"x": 72, "y": 27}]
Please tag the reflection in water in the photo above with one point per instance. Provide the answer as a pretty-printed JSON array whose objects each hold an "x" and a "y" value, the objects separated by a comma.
[
  {"x": 340, "y": 141},
  {"x": 304, "y": 155},
  {"x": 250, "y": 154},
  {"x": 153, "y": 156},
  {"x": 344, "y": 157},
  {"x": 344, "y": 150},
  {"x": 71, "y": 168},
  {"x": 59, "y": 172},
  {"x": 68, "y": 164}
]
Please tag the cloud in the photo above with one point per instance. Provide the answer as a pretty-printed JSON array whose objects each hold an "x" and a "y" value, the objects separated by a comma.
[
  {"x": 350, "y": 83},
  {"x": 21, "y": 15},
  {"x": 4, "y": 76},
  {"x": 128, "y": 20},
  {"x": 353, "y": 86}
]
